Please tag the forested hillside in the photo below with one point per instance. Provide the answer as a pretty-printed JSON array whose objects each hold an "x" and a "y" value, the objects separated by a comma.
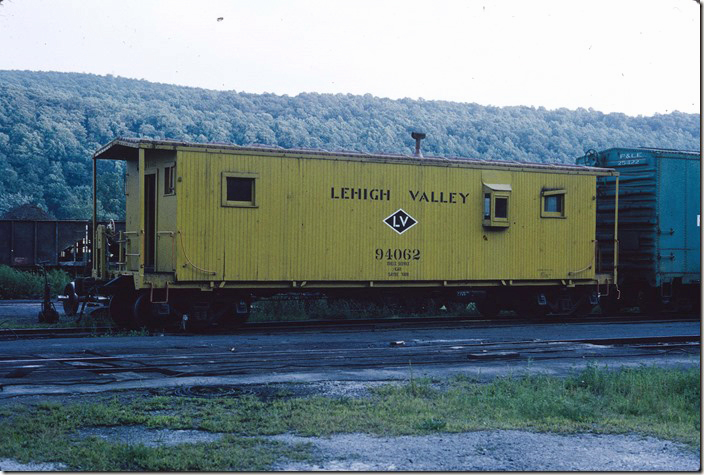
[{"x": 51, "y": 123}]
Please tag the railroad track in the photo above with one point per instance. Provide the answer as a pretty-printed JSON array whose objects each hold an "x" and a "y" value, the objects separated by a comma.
[
  {"x": 452, "y": 321},
  {"x": 342, "y": 325},
  {"x": 124, "y": 364},
  {"x": 53, "y": 332}
]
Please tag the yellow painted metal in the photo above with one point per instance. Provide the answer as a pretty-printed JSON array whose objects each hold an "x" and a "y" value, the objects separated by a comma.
[
  {"x": 100, "y": 254},
  {"x": 165, "y": 219},
  {"x": 140, "y": 211},
  {"x": 315, "y": 222},
  {"x": 133, "y": 243}
]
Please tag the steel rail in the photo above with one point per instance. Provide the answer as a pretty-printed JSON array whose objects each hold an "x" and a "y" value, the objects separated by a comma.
[
  {"x": 338, "y": 325},
  {"x": 13, "y": 370}
]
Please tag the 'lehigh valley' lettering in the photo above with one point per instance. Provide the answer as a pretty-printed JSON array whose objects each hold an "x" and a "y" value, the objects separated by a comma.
[
  {"x": 345, "y": 193},
  {"x": 379, "y": 194},
  {"x": 439, "y": 197}
]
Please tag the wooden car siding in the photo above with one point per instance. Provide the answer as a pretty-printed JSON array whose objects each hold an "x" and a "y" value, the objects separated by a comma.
[{"x": 300, "y": 232}]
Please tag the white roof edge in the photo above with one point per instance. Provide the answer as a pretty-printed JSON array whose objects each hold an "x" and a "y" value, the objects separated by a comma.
[{"x": 498, "y": 187}]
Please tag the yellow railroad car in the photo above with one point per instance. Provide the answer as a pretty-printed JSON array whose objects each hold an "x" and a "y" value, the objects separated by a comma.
[{"x": 211, "y": 226}]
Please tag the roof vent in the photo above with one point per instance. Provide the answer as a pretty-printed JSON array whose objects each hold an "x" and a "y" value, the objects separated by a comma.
[{"x": 418, "y": 136}]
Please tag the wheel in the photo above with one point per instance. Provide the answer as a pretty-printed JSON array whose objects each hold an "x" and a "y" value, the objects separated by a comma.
[
  {"x": 70, "y": 305},
  {"x": 142, "y": 312},
  {"x": 120, "y": 308}
]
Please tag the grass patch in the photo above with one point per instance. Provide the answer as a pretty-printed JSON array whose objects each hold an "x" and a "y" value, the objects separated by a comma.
[
  {"x": 46, "y": 431},
  {"x": 663, "y": 403},
  {"x": 15, "y": 284}
]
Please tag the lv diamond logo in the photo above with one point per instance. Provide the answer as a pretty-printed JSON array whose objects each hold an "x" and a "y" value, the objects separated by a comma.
[{"x": 400, "y": 221}]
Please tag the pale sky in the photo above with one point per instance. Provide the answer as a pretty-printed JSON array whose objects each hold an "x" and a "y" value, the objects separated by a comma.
[{"x": 639, "y": 57}]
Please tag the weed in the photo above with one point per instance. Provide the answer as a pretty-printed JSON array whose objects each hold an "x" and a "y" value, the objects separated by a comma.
[
  {"x": 648, "y": 400},
  {"x": 15, "y": 284},
  {"x": 431, "y": 425}
]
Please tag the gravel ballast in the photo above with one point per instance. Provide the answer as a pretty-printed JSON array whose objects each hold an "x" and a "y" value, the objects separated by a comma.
[
  {"x": 498, "y": 450},
  {"x": 9, "y": 465}
]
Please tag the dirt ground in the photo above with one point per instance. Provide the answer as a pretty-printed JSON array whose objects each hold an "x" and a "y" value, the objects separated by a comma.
[{"x": 491, "y": 450}]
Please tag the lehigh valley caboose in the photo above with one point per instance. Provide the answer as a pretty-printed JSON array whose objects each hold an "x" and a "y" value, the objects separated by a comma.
[{"x": 211, "y": 226}]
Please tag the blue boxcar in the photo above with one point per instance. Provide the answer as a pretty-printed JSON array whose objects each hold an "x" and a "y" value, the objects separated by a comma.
[{"x": 659, "y": 223}]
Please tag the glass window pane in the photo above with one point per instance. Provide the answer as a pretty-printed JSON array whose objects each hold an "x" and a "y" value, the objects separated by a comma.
[
  {"x": 501, "y": 208},
  {"x": 169, "y": 173},
  {"x": 487, "y": 206},
  {"x": 240, "y": 189},
  {"x": 553, "y": 203}
]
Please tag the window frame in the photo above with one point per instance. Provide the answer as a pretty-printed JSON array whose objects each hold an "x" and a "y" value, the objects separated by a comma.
[
  {"x": 239, "y": 204},
  {"x": 172, "y": 181},
  {"x": 496, "y": 191},
  {"x": 562, "y": 193}
]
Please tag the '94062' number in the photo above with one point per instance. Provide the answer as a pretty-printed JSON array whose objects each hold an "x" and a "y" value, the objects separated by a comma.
[{"x": 397, "y": 254}]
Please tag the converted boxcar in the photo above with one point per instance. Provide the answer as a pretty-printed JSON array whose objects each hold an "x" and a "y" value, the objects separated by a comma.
[
  {"x": 659, "y": 252},
  {"x": 211, "y": 226}
]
